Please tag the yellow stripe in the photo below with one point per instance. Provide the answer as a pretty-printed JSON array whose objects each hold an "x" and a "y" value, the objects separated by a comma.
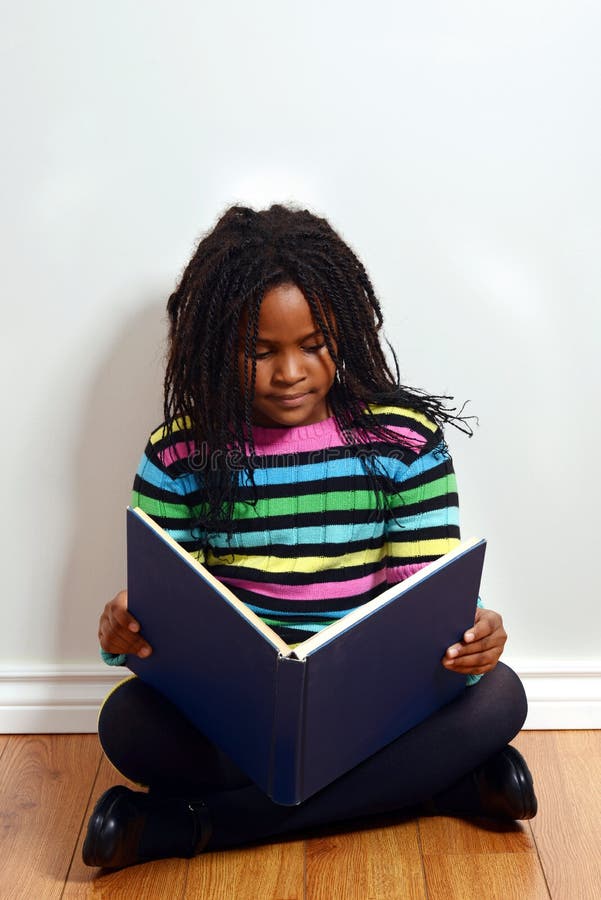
[
  {"x": 307, "y": 564},
  {"x": 178, "y": 425},
  {"x": 198, "y": 555},
  {"x": 409, "y": 413},
  {"x": 436, "y": 547}
]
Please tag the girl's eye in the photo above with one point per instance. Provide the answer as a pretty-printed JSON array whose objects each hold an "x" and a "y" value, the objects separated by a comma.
[{"x": 314, "y": 349}]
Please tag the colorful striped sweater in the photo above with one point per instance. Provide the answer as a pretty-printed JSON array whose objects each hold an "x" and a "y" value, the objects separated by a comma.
[{"x": 315, "y": 545}]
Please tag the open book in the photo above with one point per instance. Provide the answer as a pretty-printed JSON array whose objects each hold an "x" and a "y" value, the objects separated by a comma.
[{"x": 295, "y": 720}]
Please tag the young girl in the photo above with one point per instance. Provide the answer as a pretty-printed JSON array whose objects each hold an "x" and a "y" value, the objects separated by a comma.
[{"x": 294, "y": 465}]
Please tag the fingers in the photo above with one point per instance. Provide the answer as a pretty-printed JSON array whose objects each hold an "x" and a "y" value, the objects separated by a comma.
[
  {"x": 481, "y": 647},
  {"x": 474, "y": 663},
  {"x": 119, "y": 632},
  {"x": 486, "y": 622}
]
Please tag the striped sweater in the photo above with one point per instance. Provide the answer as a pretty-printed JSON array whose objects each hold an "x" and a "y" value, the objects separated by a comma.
[{"x": 315, "y": 545}]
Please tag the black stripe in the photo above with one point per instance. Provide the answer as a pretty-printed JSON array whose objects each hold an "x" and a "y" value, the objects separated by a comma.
[
  {"x": 302, "y": 457},
  {"x": 259, "y": 576},
  {"x": 298, "y": 550},
  {"x": 409, "y": 560},
  {"x": 162, "y": 494},
  {"x": 331, "y": 483},
  {"x": 295, "y": 520},
  {"x": 425, "y": 534},
  {"x": 409, "y": 509}
]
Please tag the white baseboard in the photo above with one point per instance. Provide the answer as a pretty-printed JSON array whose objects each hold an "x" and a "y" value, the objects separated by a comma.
[
  {"x": 54, "y": 699},
  {"x": 564, "y": 694},
  {"x": 66, "y": 698}
]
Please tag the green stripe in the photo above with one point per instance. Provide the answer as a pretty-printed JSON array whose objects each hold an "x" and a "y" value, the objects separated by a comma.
[
  {"x": 329, "y": 501},
  {"x": 438, "y": 488},
  {"x": 157, "y": 508}
]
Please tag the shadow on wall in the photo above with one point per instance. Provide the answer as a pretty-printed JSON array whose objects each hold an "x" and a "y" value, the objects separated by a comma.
[{"x": 123, "y": 406}]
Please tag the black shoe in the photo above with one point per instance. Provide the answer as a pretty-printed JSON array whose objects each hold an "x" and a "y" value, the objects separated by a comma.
[
  {"x": 129, "y": 827},
  {"x": 505, "y": 786}
]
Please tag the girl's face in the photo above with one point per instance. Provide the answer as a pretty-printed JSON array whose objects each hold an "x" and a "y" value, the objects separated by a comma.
[{"x": 294, "y": 371}]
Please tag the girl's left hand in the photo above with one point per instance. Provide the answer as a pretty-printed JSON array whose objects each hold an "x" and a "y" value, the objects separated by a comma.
[{"x": 481, "y": 647}]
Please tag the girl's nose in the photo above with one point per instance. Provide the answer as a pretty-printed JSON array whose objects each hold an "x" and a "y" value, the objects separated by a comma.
[{"x": 289, "y": 368}]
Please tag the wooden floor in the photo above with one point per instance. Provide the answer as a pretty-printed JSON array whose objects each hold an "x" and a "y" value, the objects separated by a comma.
[{"x": 48, "y": 784}]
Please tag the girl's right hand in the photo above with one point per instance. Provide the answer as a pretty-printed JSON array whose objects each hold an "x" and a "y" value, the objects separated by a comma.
[{"x": 118, "y": 631}]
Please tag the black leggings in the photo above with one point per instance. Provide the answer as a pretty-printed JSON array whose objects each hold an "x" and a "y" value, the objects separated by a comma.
[{"x": 149, "y": 741}]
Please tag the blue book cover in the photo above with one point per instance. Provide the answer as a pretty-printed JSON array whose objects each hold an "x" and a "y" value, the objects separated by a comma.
[{"x": 295, "y": 720}]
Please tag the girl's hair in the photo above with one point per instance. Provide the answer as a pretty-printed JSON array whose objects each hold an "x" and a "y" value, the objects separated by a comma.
[{"x": 213, "y": 316}]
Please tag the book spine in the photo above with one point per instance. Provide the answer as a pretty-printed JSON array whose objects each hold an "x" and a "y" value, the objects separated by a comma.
[{"x": 285, "y": 768}]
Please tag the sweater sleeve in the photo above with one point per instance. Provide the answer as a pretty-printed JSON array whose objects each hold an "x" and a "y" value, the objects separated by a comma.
[
  {"x": 424, "y": 520},
  {"x": 169, "y": 495}
]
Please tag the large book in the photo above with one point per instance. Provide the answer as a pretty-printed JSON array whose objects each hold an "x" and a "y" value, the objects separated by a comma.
[{"x": 296, "y": 719}]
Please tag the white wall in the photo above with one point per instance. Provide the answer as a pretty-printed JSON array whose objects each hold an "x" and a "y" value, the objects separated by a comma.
[{"x": 456, "y": 147}]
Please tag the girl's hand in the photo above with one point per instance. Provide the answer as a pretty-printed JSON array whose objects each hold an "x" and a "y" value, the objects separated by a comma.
[
  {"x": 481, "y": 647},
  {"x": 118, "y": 631}
]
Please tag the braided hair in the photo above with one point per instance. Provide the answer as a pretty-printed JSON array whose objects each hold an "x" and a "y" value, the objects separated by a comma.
[{"x": 214, "y": 314}]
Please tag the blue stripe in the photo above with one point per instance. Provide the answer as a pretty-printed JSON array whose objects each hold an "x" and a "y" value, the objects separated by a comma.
[
  {"x": 292, "y": 474},
  {"x": 278, "y": 614},
  {"x": 433, "y": 518},
  {"x": 183, "y": 485},
  {"x": 185, "y": 535},
  {"x": 340, "y": 468},
  {"x": 399, "y": 470},
  {"x": 312, "y": 534}
]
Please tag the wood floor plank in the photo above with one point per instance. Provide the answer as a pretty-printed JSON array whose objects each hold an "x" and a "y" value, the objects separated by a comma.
[
  {"x": 444, "y": 834},
  {"x": 159, "y": 879},
  {"x": 378, "y": 863},
  {"x": 4, "y": 739},
  {"x": 472, "y": 876},
  {"x": 466, "y": 859},
  {"x": 269, "y": 872},
  {"x": 566, "y": 766},
  {"x": 44, "y": 787}
]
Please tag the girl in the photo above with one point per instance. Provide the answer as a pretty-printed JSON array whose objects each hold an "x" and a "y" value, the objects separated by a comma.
[{"x": 342, "y": 484}]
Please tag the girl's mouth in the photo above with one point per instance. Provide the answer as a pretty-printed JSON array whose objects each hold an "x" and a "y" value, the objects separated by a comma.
[{"x": 289, "y": 399}]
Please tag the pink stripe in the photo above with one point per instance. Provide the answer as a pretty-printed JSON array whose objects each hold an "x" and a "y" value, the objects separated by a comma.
[
  {"x": 399, "y": 573},
  {"x": 303, "y": 439},
  {"x": 320, "y": 591},
  {"x": 310, "y": 439},
  {"x": 412, "y": 439},
  {"x": 181, "y": 450}
]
